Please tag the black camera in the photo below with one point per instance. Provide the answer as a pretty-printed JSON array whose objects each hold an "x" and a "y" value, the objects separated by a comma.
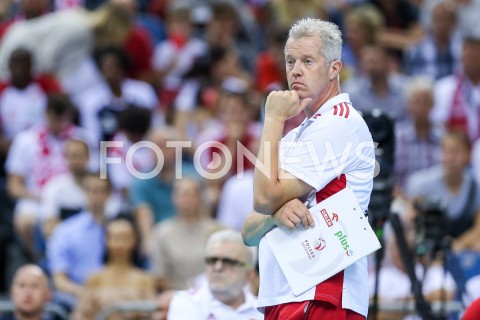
[
  {"x": 431, "y": 226},
  {"x": 381, "y": 127}
]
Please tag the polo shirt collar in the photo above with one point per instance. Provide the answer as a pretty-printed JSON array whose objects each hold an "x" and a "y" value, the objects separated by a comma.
[{"x": 249, "y": 303}]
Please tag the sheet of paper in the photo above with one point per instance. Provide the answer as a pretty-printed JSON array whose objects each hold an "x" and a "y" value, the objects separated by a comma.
[{"x": 341, "y": 236}]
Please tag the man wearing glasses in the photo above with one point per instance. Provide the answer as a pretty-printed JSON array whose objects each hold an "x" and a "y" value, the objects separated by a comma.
[{"x": 229, "y": 269}]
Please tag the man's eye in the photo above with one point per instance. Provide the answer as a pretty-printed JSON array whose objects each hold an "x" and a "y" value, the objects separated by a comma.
[{"x": 308, "y": 61}]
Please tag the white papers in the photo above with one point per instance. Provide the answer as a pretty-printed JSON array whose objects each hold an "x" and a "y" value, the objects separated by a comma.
[{"x": 341, "y": 236}]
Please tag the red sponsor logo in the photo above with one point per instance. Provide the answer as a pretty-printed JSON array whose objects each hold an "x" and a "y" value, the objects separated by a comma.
[
  {"x": 326, "y": 217},
  {"x": 335, "y": 217},
  {"x": 319, "y": 244}
]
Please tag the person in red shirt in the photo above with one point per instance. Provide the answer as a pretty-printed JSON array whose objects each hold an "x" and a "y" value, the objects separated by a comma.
[
  {"x": 473, "y": 311},
  {"x": 138, "y": 45}
]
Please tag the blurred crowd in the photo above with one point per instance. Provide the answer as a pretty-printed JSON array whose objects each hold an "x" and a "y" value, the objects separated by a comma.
[{"x": 129, "y": 129}]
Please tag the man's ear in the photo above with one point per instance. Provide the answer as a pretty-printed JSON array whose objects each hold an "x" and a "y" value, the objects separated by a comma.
[{"x": 334, "y": 69}]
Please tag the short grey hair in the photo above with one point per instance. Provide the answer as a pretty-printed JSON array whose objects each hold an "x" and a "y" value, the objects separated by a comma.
[
  {"x": 328, "y": 32},
  {"x": 232, "y": 236},
  {"x": 419, "y": 83}
]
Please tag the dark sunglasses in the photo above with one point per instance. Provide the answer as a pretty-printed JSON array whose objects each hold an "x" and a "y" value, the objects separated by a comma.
[{"x": 229, "y": 262}]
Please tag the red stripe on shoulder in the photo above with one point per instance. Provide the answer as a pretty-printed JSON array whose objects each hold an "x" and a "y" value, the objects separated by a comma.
[
  {"x": 335, "y": 110},
  {"x": 347, "y": 110}
]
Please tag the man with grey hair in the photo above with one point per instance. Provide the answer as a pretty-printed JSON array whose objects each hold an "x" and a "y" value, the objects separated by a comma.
[
  {"x": 331, "y": 150},
  {"x": 417, "y": 138},
  {"x": 229, "y": 268}
]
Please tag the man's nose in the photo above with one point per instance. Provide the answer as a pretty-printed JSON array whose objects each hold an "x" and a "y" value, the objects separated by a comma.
[
  {"x": 297, "y": 68},
  {"x": 219, "y": 265}
]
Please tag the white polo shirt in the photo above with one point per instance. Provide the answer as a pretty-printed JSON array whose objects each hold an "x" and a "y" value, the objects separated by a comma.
[
  {"x": 331, "y": 150},
  {"x": 200, "y": 304}
]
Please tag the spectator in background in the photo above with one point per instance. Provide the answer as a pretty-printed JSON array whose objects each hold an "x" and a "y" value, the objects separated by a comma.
[
  {"x": 229, "y": 268},
  {"x": 62, "y": 43},
  {"x": 378, "y": 87},
  {"x": 133, "y": 125},
  {"x": 438, "y": 53},
  {"x": 28, "y": 9},
  {"x": 225, "y": 30},
  {"x": 235, "y": 131},
  {"x": 176, "y": 55},
  {"x": 402, "y": 28},
  {"x": 417, "y": 139},
  {"x": 196, "y": 103},
  {"x": 75, "y": 250},
  {"x": 151, "y": 199},
  {"x": 36, "y": 156},
  {"x": 23, "y": 98},
  {"x": 122, "y": 278},
  {"x": 457, "y": 97},
  {"x": 29, "y": 293},
  {"x": 186, "y": 232},
  {"x": 100, "y": 106},
  {"x": 64, "y": 196},
  {"x": 138, "y": 44},
  {"x": 361, "y": 27},
  {"x": 452, "y": 186}
]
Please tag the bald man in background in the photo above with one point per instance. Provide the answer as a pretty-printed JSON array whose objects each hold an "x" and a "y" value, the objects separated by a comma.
[{"x": 29, "y": 293}]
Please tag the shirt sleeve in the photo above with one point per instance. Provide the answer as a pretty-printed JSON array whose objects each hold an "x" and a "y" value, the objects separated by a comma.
[
  {"x": 58, "y": 251},
  {"x": 18, "y": 159},
  {"x": 323, "y": 152},
  {"x": 49, "y": 205}
]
